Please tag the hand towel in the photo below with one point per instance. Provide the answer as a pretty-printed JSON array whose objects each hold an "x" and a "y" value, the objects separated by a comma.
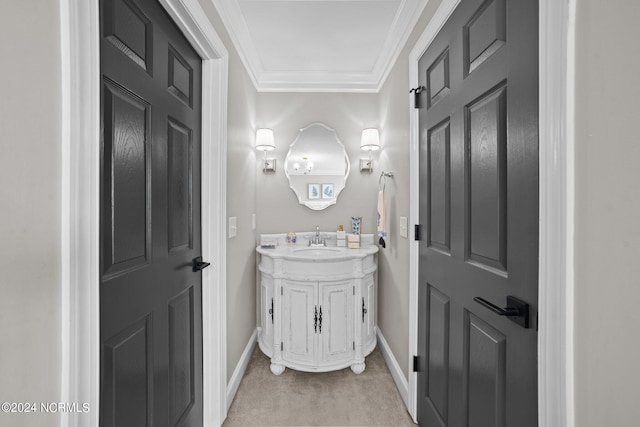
[{"x": 381, "y": 215}]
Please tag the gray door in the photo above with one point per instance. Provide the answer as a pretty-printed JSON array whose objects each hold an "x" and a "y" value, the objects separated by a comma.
[
  {"x": 150, "y": 297},
  {"x": 479, "y": 216}
]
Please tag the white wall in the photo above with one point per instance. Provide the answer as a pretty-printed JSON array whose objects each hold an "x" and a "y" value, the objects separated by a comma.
[
  {"x": 607, "y": 223},
  {"x": 241, "y": 199},
  {"x": 30, "y": 203}
]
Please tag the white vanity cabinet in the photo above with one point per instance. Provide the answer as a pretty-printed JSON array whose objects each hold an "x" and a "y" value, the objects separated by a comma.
[
  {"x": 317, "y": 320},
  {"x": 368, "y": 310},
  {"x": 317, "y": 309}
]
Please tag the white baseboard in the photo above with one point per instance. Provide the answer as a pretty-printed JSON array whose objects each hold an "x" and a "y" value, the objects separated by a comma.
[
  {"x": 394, "y": 368},
  {"x": 238, "y": 373}
]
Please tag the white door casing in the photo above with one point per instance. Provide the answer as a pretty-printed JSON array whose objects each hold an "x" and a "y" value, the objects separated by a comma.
[{"x": 80, "y": 62}]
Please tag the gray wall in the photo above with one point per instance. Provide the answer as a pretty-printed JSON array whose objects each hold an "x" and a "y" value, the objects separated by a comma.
[
  {"x": 287, "y": 113},
  {"x": 348, "y": 114},
  {"x": 393, "y": 273},
  {"x": 607, "y": 218},
  {"x": 30, "y": 203},
  {"x": 241, "y": 199},
  {"x": 607, "y": 202}
]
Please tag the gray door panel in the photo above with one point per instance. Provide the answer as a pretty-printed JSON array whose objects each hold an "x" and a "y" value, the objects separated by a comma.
[
  {"x": 150, "y": 298},
  {"x": 479, "y": 212}
]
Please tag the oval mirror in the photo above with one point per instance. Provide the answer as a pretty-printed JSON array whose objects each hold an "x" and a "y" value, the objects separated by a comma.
[{"x": 317, "y": 166}]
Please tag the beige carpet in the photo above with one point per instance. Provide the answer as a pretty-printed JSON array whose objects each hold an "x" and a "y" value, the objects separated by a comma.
[{"x": 339, "y": 398}]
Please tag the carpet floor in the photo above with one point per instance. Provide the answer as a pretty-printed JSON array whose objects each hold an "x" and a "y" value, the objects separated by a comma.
[{"x": 339, "y": 398}]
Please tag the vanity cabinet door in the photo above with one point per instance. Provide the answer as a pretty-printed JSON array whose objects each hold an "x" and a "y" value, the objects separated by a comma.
[
  {"x": 298, "y": 336},
  {"x": 336, "y": 334},
  {"x": 367, "y": 311},
  {"x": 267, "y": 312}
]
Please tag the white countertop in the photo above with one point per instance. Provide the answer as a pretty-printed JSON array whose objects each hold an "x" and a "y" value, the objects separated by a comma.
[{"x": 317, "y": 254}]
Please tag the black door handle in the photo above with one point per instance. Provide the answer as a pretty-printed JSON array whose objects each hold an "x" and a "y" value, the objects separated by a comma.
[
  {"x": 516, "y": 309},
  {"x": 198, "y": 264}
]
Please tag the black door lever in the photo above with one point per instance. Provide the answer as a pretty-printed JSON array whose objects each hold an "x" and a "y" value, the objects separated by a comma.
[
  {"x": 198, "y": 264},
  {"x": 516, "y": 309}
]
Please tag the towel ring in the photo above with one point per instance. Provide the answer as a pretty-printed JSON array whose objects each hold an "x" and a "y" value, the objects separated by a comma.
[{"x": 382, "y": 181}]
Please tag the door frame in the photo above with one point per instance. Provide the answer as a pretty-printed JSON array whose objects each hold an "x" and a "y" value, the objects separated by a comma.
[
  {"x": 556, "y": 245},
  {"x": 80, "y": 237}
]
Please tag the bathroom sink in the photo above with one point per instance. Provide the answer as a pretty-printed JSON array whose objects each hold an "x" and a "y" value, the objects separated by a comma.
[
  {"x": 315, "y": 262},
  {"x": 318, "y": 251}
]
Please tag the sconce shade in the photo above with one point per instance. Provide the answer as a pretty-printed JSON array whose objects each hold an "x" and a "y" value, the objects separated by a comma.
[
  {"x": 370, "y": 140},
  {"x": 265, "y": 140}
]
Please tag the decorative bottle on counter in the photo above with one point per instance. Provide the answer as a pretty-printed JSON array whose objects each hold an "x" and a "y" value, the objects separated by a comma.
[
  {"x": 341, "y": 237},
  {"x": 291, "y": 238}
]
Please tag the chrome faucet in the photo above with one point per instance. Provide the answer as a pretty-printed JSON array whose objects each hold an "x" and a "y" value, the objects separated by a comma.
[{"x": 317, "y": 241}]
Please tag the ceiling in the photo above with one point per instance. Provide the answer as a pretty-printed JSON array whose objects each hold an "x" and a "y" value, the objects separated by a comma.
[{"x": 319, "y": 45}]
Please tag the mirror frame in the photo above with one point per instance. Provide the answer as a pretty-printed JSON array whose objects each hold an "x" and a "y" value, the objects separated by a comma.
[{"x": 319, "y": 204}]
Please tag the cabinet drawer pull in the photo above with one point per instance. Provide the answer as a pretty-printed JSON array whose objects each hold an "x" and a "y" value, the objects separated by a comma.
[{"x": 315, "y": 320}]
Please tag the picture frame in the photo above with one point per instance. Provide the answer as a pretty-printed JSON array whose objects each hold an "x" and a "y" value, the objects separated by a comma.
[
  {"x": 314, "y": 191},
  {"x": 327, "y": 191}
]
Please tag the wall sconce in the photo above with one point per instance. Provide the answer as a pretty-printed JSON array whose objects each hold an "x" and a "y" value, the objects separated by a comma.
[
  {"x": 265, "y": 142},
  {"x": 370, "y": 141}
]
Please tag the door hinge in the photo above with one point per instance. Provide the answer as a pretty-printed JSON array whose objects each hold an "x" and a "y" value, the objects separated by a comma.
[
  {"x": 416, "y": 365},
  {"x": 281, "y": 346},
  {"x": 354, "y": 290},
  {"x": 417, "y": 232},
  {"x": 281, "y": 290},
  {"x": 354, "y": 345},
  {"x": 416, "y": 96}
]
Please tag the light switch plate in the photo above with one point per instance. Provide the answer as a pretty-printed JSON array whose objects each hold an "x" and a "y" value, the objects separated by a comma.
[
  {"x": 253, "y": 221},
  {"x": 233, "y": 226},
  {"x": 403, "y": 227}
]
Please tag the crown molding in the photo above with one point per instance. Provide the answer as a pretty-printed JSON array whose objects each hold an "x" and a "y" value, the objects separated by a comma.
[{"x": 370, "y": 81}]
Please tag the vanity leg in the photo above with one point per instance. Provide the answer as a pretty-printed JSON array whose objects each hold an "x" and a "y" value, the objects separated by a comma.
[
  {"x": 358, "y": 368},
  {"x": 277, "y": 369}
]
